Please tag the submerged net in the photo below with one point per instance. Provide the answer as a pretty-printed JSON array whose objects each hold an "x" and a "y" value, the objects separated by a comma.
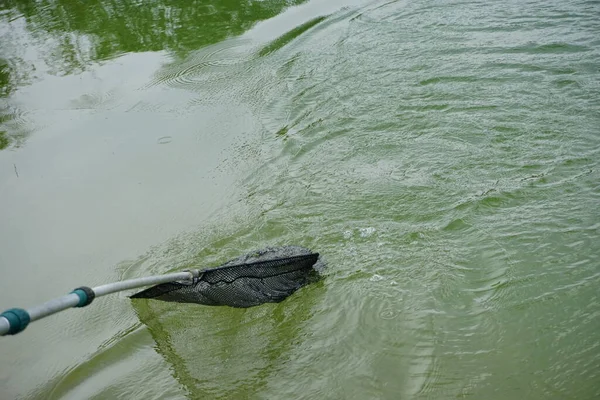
[{"x": 265, "y": 276}]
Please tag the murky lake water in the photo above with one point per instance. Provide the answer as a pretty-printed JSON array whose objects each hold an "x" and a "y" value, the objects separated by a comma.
[{"x": 442, "y": 156}]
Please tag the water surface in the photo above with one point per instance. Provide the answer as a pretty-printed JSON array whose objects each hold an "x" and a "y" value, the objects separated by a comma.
[{"x": 442, "y": 156}]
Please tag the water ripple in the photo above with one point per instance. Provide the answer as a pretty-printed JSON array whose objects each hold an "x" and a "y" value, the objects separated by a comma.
[
  {"x": 205, "y": 65},
  {"x": 444, "y": 158}
]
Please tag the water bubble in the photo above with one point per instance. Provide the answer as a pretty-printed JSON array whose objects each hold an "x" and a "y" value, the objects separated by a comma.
[
  {"x": 366, "y": 232},
  {"x": 388, "y": 314},
  {"x": 164, "y": 140}
]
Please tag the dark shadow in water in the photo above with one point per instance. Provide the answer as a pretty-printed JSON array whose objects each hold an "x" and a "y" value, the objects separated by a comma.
[
  {"x": 222, "y": 352},
  {"x": 73, "y": 34}
]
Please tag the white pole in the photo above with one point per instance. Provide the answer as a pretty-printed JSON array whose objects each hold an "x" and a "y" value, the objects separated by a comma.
[
  {"x": 4, "y": 325},
  {"x": 140, "y": 282},
  {"x": 72, "y": 299}
]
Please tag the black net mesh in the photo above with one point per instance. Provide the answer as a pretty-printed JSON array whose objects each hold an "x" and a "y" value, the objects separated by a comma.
[{"x": 250, "y": 280}]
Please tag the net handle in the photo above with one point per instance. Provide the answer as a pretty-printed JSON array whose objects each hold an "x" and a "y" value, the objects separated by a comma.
[{"x": 15, "y": 320}]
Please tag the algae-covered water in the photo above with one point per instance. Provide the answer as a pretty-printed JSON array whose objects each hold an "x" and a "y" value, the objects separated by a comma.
[{"x": 442, "y": 156}]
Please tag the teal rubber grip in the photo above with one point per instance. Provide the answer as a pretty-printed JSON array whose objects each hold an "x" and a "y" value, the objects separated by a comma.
[
  {"x": 18, "y": 319},
  {"x": 86, "y": 295}
]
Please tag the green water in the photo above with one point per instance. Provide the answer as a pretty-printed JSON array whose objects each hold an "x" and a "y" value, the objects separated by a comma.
[{"x": 443, "y": 157}]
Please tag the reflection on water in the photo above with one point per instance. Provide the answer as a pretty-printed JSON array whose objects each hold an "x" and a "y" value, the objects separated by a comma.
[
  {"x": 71, "y": 37},
  {"x": 99, "y": 30},
  {"x": 7, "y": 86}
]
